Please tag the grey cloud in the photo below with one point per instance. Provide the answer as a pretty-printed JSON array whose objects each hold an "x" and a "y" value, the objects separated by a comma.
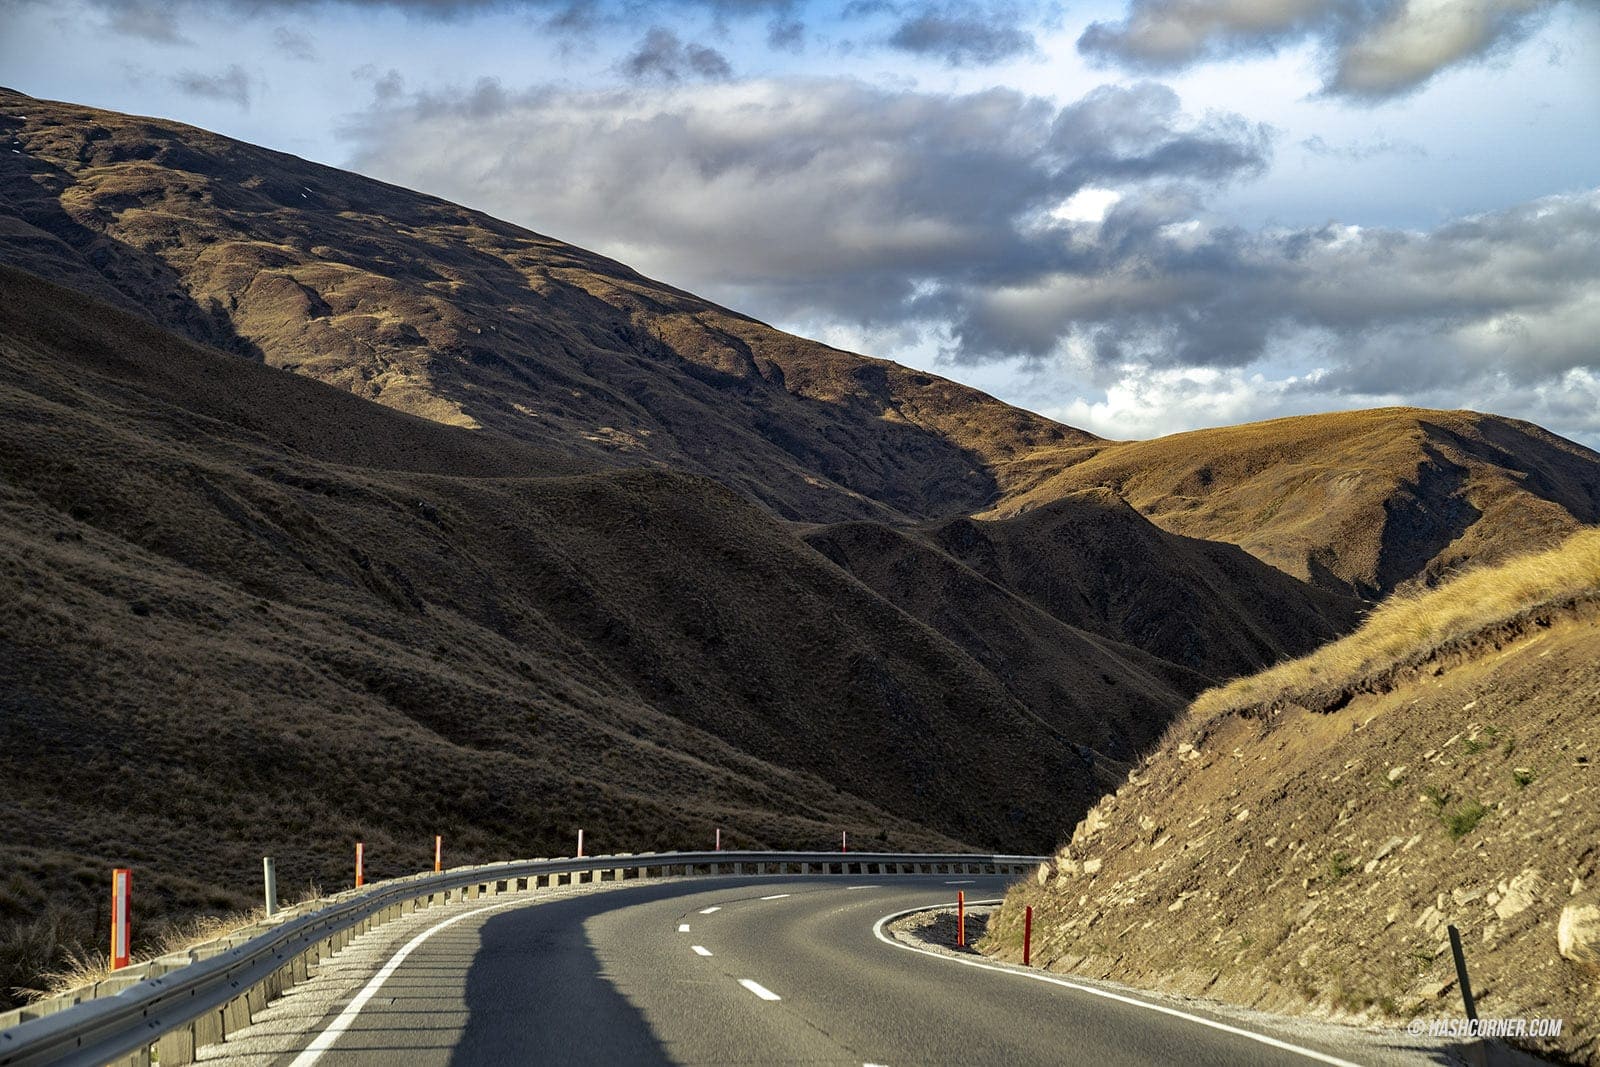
[
  {"x": 964, "y": 34},
  {"x": 151, "y": 21},
  {"x": 822, "y": 196},
  {"x": 661, "y": 56},
  {"x": 1372, "y": 49},
  {"x": 786, "y": 33},
  {"x": 232, "y": 85},
  {"x": 1359, "y": 151},
  {"x": 296, "y": 44}
]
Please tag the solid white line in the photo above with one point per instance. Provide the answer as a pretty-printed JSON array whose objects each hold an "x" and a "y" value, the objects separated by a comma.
[
  {"x": 324, "y": 1041},
  {"x": 701, "y": 950},
  {"x": 758, "y": 989},
  {"x": 708, "y": 911},
  {"x": 683, "y": 928},
  {"x": 776, "y": 896},
  {"x": 1311, "y": 1054}
]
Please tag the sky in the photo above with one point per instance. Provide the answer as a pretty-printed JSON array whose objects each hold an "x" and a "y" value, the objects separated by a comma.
[{"x": 1135, "y": 216}]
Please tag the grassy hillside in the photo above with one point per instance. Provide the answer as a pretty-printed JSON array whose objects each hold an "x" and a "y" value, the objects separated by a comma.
[
  {"x": 242, "y": 613},
  {"x": 1358, "y": 501},
  {"x": 446, "y": 313},
  {"x": 1303, "y": 837}
]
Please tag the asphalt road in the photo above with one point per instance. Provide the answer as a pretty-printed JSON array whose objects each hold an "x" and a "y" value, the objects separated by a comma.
[{"x": 724, "y": 971}]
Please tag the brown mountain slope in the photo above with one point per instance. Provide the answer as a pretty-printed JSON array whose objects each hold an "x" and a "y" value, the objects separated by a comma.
[
  {"x": 1114, "y": 698},
  {"x": 242, "y": 613},
  {"x": 1359, "y": 501},
  {"x": 1093, "y": 562},
  {"x": 1304, "y": 837},
  {"x": 447, "y": 313}
]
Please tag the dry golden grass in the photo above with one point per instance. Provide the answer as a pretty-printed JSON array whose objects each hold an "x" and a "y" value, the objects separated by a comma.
[{"x": 1411, "y": 628}]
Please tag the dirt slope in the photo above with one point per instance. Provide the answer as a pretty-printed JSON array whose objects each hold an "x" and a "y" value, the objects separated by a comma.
[
  {"x": 1358, "y": 501},
  {"x": 1299, "y": 859},
  {"x": 242, "y": 613},
  {"x": 446, "y": 313}
]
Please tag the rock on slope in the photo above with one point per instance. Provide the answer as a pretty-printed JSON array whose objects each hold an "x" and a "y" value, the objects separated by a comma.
[
  {"x": 242, "y": 613},
  {"x": 1359, "y": 501},
  {"x": 1286, "y": 856},
  {"x": 447, "y": 313}
]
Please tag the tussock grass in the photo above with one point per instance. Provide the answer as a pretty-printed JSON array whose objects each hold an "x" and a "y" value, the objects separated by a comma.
[{"x": 1411, "y": 628}]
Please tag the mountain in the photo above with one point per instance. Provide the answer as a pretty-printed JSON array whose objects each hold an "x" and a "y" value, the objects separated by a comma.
[
  {"x": 449, "y": 314},
  {"x": 1301, "y": 839},
  {"x": 1359, "y": 502},
  {"x": 244, "y": 613}
]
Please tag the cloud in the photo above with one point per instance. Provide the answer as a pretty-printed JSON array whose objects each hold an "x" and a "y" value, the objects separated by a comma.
[
  {"x": 964, "y": 34},
  {"x": 662, "y": 57},
  {"x": 295, "y": 44},
  {"x": 151, "y": 21},
  {"x": 1371, "y": 49},
  {"x": 231, "y": 85}
]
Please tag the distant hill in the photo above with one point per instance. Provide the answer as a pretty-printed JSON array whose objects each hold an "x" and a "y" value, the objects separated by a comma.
[
  {"x": 1302, "y": 838},
  {"x": 1358, "y": 501},
  {"x": 447, "y": 313}
]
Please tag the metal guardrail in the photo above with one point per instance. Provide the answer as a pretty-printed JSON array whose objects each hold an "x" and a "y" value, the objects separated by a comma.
[{"x": 181, "y": 1002}]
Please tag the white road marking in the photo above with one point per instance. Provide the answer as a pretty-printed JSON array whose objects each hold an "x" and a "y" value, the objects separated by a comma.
[
  {"x": 862, "y": 887},
  {"x": 324, "y": 1041},
  {"x": 708, "y": 911},
  {"x": 758, "y": 989},
  {"x": 701, "y": 950},
  {"x": 1311, "y": 1054},
  {"x": 964, "y": 881},
  {"x": 776, "y": 896},
  {"x": 683, "y": 928}
]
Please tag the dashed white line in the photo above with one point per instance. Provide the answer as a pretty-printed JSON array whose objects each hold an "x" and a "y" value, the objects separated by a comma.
[
  {"x": 963, "y": 881},
  {"x": 862, "y": 887},
  {"x": 776, "y": 896},
  {"x": 708, "y": 911},
  {"x": 683, "y": 928},
  {"x": 758, "y": 989},
  {"x": 700, "y": 950}
]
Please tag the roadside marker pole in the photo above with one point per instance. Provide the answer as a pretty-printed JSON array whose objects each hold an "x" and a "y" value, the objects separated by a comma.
[
  {"x": 1027, "y": 937},
  {"x": 580, "y": 844},
  {"x": 1461, "y": 974},
  {"x": 961, "y": 918},
  {"x": 269, "y": 879},
  {"x": 719, "y": 839},
  {"x": 361, "y": 877},
  {"x": 120, "y": 913},
  {"x": 844, "y": 840},
  {"x": 438, "y": 848}
]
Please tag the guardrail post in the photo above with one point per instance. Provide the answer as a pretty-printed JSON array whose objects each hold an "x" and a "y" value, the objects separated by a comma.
[
  {"x": 176, "y": 1046},
  {"x": 269, "y": 878}
]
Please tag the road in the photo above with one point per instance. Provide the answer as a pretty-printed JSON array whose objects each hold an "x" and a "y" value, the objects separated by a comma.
[{"x": 723, "y": 970}]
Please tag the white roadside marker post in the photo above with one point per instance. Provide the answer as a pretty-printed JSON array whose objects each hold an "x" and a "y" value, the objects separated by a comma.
[{"x": 269, "y": 879}]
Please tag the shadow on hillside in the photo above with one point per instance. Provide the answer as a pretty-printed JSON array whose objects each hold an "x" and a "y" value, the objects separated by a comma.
[{"x": 133, "y": 279}]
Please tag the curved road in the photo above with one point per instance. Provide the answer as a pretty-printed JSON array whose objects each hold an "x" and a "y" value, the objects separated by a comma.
[{"x": 721, "y": 970}]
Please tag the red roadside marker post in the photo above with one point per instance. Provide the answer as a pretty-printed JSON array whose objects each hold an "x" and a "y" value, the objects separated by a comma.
[
  {"x": 844, "y": 840},
  {"x": 1027, "y": 937},
  {"x": 361, "y": 877},
  {"x": 961, "y": 918},
  {"x": 580, "y": 844},
  {"x": 438, "y": 853},
  {"x": 121, "y": 912}
]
